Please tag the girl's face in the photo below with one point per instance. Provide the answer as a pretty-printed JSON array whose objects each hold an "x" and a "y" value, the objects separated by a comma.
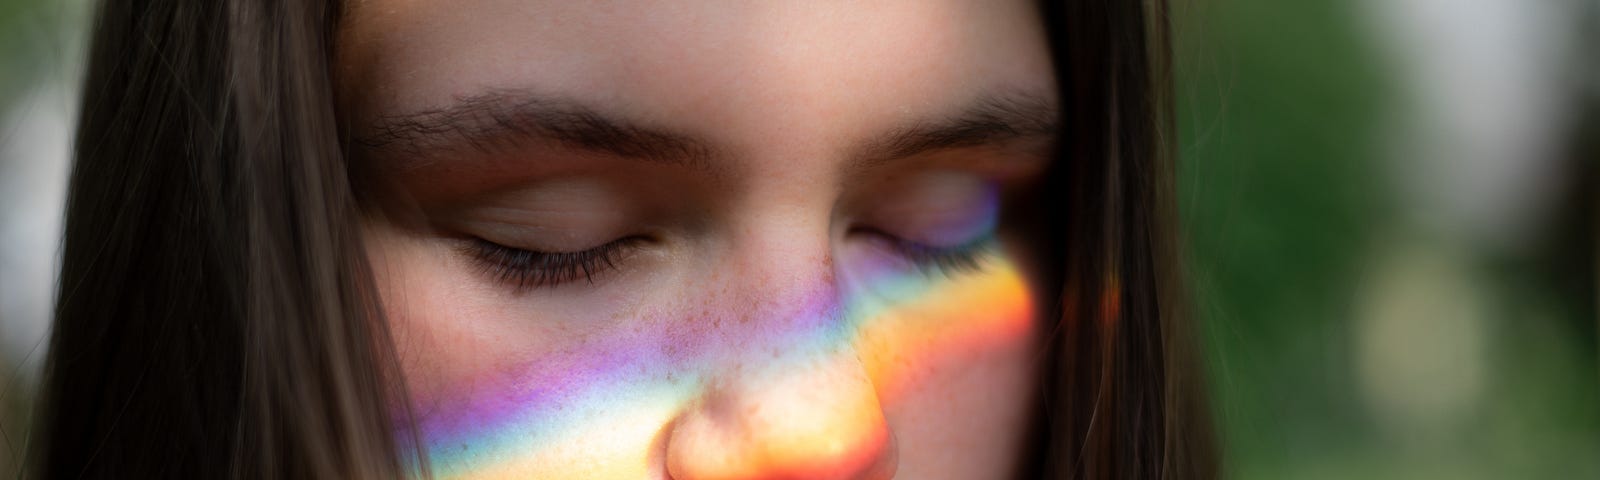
[{"x": 729, "y": 240}]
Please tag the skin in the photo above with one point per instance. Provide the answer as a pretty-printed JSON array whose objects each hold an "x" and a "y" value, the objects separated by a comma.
[{"x": 762, "y": 321}]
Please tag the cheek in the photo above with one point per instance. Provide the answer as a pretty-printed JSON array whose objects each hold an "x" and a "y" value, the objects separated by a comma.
[
  {"x": 433, "y": 319},
  {"x": 499, "y": 390},
  {"x": 948, "y": 323},
  {"x": 956, "y": 370}
]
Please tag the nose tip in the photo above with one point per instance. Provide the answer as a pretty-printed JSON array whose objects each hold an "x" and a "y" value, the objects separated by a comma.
[{"x": 822, "y": 423}]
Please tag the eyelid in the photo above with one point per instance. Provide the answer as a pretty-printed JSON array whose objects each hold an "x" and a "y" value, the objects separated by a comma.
[
  {"x": 966, "y": 257},
  {"x": 526, "y": 270},
  {"x": 546, "y": 235},
  {"x": 938, "y": 208},
  {"x": 565, "y": 213}
]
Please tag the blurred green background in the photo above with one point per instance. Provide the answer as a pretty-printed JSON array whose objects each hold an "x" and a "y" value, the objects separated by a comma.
[
  {"x": 1373, "y": 308},
  {"x": 1387, "y": 206}
]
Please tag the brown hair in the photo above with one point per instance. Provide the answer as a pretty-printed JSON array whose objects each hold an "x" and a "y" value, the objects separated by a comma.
[
  {"x": 1124, "y": 396},
  {"x": 216, "y": 319}
]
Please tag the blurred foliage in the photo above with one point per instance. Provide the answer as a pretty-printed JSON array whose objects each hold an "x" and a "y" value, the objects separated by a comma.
[
  {"x": 1288, "y": 208},
  {"x": 1280, "y": 199},
  {"x": 36, "y": 39}
]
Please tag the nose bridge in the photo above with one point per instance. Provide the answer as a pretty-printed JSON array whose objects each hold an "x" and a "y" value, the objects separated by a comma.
[{"x": 781, "y": 273}]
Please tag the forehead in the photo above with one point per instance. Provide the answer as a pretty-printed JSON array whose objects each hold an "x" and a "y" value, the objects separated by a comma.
[{"x": 733, "y": 70}]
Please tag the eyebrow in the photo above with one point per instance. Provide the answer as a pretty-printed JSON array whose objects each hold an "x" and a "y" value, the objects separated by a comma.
[
  {"x": 992, "y": 119},
  {"x": 504, "y": 119}
]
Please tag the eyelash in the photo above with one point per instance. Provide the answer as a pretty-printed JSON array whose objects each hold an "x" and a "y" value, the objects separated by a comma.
[
  {"x": 949, "y": 261},
  {"x": 527, "y": 269}
]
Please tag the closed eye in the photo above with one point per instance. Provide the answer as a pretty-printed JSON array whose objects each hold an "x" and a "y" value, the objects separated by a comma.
[
  {"x": 932, "y": 260},
  {"x": 525, "y": 270}
]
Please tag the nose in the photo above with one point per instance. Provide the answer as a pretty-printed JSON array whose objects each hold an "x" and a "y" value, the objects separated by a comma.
[
  {"x": 817, "y": 420},
  {"x": 791, "y": 400}
]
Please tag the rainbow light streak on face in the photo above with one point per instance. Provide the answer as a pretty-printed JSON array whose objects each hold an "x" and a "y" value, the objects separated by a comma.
[{"x": 612, "y": 399}]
